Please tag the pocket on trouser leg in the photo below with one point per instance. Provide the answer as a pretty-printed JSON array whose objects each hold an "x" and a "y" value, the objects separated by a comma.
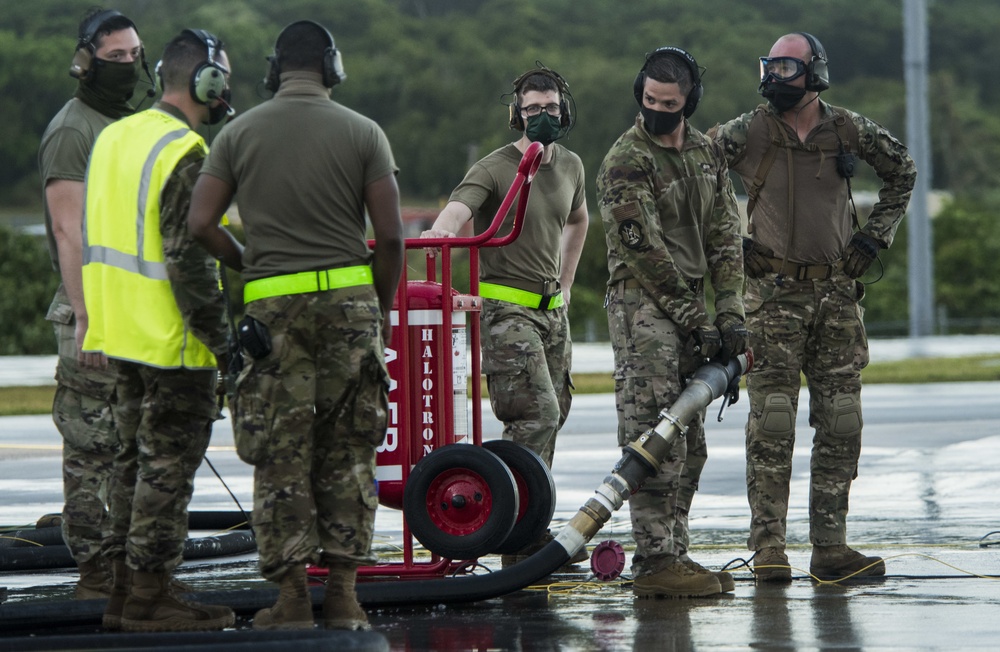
[
  {"x": 251, "y": 417},
  {"x": 86, "y": 423},
  {"x": 367, "y": 409}
]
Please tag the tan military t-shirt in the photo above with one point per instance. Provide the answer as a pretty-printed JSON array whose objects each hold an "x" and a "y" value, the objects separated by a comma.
[
  {"x": 299, "y": 163},
  {"x": 556, "y": 190}
]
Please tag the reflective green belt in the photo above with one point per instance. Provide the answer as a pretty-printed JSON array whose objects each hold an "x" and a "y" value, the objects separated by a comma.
[
  {"x": 521, "y": 297},
  {"x": 302, "y": 282}
]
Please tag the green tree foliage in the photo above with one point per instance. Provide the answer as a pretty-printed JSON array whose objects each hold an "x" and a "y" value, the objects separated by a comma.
[
  {"x": 434, "y": 74},
  {"x": 27, "y": 284}
]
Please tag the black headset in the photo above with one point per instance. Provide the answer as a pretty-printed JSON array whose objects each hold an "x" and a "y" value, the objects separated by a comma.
[
  {"x": 333, "y": 66},
  {"x": 209, "y": 79},
  {"x": 566, "y": 116},
  {"x": 817, "y": 73},
  {"x": 82, "y": 65},
  {"x": 697, "y": 90}
]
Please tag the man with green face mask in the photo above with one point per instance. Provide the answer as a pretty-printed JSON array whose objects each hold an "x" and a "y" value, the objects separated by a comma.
[
  {"x": 107, "y": 64},
  {"x": 526, "y": 345}
]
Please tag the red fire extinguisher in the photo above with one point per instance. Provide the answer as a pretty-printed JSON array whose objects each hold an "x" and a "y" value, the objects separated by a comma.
[{"x": 422, "y": 420}]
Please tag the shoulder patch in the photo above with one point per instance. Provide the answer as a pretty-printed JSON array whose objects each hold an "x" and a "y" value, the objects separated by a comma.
[
  {"x": 631, "y": 234},
  {"x": 628, "y": 211}
]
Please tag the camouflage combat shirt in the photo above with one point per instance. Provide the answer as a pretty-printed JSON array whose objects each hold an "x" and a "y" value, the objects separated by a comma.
[{"x": 669, "y": 218}]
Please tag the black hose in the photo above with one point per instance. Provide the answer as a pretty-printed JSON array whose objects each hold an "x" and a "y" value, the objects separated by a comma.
[
  {"x": 279, "y": 641},
  {"x": 48, "y": 557}
]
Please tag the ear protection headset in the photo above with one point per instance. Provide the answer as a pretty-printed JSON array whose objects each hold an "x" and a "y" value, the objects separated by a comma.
[
  {"x": 817, "y": 73},
  {"x": 333, "y": 65},
  {"x": 209, "y": 79},
  {"x": 566, "y": 116},
  {"x": 83, "y": 58},
  {"x": 697, "y": 90}
]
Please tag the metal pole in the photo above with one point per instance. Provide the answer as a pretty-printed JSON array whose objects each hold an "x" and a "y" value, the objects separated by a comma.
[{"x": 921, "y": 265}]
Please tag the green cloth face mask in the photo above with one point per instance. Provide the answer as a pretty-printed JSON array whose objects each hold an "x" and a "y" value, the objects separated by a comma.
[{"x": 544, "y": 128}]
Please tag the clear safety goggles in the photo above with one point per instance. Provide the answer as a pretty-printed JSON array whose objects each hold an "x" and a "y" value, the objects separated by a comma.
[{"x": 781, "y": 69}]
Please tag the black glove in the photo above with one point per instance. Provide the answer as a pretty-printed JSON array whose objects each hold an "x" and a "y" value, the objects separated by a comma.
[
  {"x": 707, "y": 340},
  {"x": 735, "y": 338},
  {"x": 755, "y": 259},
  {"x": 861, "y": 252}
]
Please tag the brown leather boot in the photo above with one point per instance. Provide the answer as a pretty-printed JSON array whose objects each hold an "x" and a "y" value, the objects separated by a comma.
[
  {"x": 676, "y": 581},
  {"x": 293, "y": 610},
  {"x": 95, "y": 579},
  {"x": 835, "y": 562},
  {"x": 121, "y": 577},
  {"x": 770, "y": 564},
  {"x": 341, "y": 609},
  {"x": 152, "y": 606}
]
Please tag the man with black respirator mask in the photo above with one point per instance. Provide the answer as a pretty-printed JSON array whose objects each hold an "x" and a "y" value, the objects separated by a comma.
[
  {"x": 805, "y": 250},
  {"x": 670, "y": 220},
  {"x": 107, "y": 63},
  {"x": 526, "y": 344}
]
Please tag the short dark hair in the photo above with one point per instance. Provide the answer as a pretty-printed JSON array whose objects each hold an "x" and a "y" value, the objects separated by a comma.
[
  {"x": 301, "y": 46},
  {"x": 113, "y": 24},
  {"x": 537, "y": 82},
  {"x": 668, "y": 68},
  {"x": 182, "y": 55}
]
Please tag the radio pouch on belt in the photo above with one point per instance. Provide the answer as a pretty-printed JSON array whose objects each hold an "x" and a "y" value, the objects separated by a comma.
[{"x": 254, "y": 337}]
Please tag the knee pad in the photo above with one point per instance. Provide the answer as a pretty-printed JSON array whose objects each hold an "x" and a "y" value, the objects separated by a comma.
[
  {"x": 777, "y": 419},
  {"x": 840, "y": 415}
]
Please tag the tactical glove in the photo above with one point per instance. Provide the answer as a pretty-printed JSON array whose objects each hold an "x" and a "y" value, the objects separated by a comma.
[
  {"x": 755, "y": 259},
  {"x": 735, "y": 338},
  {"x": 860, "y": 254},
  {"x": 707, "y": 340}
]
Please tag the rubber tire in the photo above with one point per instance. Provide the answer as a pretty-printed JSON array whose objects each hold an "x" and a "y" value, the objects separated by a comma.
[
  {"x": 536, "y": 493},
  {"x": 451, "y": 467}
]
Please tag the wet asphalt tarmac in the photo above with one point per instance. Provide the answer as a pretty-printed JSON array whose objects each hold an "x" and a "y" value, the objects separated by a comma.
[{"x": 926, "y": 500}]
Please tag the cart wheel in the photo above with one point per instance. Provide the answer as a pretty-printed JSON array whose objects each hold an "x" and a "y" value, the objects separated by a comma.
[
  {"x": 535, "y": 489},
  {"x": 460, "y": 501}
]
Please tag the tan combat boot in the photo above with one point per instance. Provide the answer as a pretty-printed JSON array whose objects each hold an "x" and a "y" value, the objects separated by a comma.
[
  {"x": 152, "y": 606},
  {"x": 341, "y": 609},
  {"x": 293, "y": 610},
  {"x": 95, "y": 579},
  {"x": 676, "y": 581},
  {"x": 121, "y": 577},
  {"x": 726, "y": 580},
  {"x": 837, "y": 561},
  {"x": 771, "y": 565}
]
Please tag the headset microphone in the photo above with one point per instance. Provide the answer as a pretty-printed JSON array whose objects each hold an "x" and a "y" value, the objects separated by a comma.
[{"x": 230, "y": 111}]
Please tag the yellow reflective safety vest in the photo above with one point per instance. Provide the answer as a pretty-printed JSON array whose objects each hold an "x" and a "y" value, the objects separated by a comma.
[{"x": 132, "y": 311}]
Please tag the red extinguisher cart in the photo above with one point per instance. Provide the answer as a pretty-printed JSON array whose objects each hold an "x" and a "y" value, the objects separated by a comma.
[{"x": 460, "y": 499}]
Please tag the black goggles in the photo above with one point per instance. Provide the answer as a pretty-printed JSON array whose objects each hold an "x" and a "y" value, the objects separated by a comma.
[{"x": 781, "y": 69}]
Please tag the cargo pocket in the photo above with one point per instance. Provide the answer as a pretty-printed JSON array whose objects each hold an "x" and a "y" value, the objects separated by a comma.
[
  {"x": 252, "y": 417},
  {"x": 86, "y": 423},
  {"x": 504, "y": 385},
  {"x": 367, "y": 408}
]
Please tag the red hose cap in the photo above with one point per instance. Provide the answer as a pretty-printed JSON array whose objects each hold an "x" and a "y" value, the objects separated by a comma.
[{"x": 608, "y": 560}]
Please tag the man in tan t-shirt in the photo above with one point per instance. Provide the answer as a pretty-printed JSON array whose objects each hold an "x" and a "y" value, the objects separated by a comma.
[{"x": 526, "y": 347}]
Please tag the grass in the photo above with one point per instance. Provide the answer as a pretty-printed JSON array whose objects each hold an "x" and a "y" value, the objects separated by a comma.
[{"x": 38, "y": 400}]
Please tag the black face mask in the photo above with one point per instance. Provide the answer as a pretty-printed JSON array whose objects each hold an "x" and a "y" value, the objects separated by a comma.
[
  {"x": 782, "y": 96},
  {"x": 222, "y": 110},
  {"x": 110, "y": 86},
  {"x": 661, "y": 123}
]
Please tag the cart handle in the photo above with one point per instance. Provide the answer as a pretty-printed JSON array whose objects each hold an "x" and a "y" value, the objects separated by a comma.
[{"x": 526, "y": 170}]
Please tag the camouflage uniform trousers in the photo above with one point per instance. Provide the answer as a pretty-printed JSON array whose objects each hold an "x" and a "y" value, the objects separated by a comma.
[
  {"x": 83, "y": 415},
  {"x": 652, "y": 361},
  {"x": 814, "y": 327},
  {"x": 320, "y": 400},
  {"x": 165, "y": 421},
  {"x": 527, "y": 355}
]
